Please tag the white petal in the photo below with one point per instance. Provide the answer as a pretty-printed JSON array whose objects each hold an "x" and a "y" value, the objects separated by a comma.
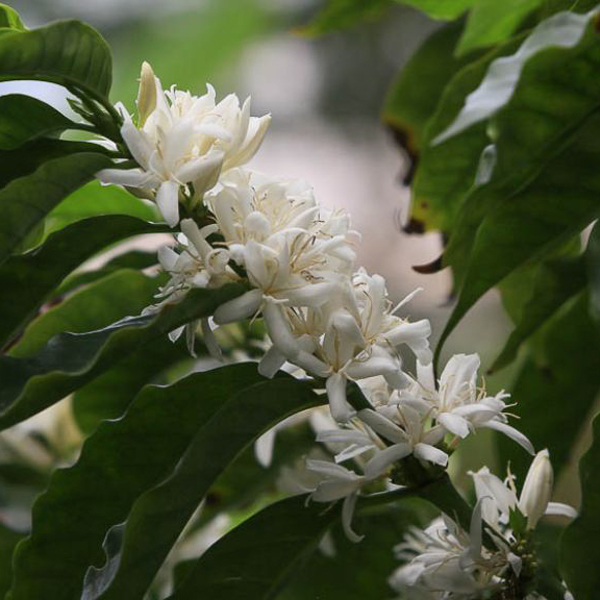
[
  {"x": 210, "y": 340},
  {"x": 558, "y": 509},
  {"x": 384, "y": 458},
  {"x": 454, "y": 424},
  {"x": 127, "y": 177},
  {"x": 263, "y": 447},
  {"x": 382, "y": 425},
  {"x": 347, "y": 514},
  {"x": 279, "y": 330},
  {"x": 167, "y": 200},
  {"x": 341, "y": 411},
  {"x": 271, "y": 362},
  {"x": 431, "y": 454},
  {"x": 459, "y": 371},
  {"x": 239, "y": 308},
  {"x": 512, "y": 433}
]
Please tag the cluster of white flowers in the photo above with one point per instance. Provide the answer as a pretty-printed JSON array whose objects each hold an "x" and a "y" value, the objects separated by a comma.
[
  {"x": 444, "y": 562},
  {"x": 326, "y": 317}
]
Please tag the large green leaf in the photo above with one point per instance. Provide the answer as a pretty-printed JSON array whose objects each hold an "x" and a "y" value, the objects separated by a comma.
[
  {"x": 528, "y": 224},
  {"x": 564, "y": 30},
  {"x": 491, "y": 22},
  {"x": 69, "y": 361},
  {"x": 159, "y": 516},
  {"x": 26, "y": 201},
  {"x": 593, "y": 271},
  {"x": 95, "y": 199},
  {"x": 8, "y": 540},
  {"x": 448, "y": 171},
  {"x": 255, "y": 559},
  {"x": 10, "y": 18},
  {"x": 547, "y": 287},
  {"x": 70, "y": 53},
  {"x": 338, "y": 14},
  {"x": 408, "y": 107},
  {"x": 327, "y": 575},
  {"x": 440, "y": 9},
  {"x": 119, "y": 462},
  {"x": 556, "y": 388},
  {"x": 125, "y": 292},
  {"x": 23, "y": 118},
  {"x": 31, "y": 277},
  {"x": 580, "y": 551}
]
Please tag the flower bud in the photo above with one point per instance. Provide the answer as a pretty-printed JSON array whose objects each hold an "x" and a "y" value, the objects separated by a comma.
[
  {"x": 537, "y": 489},
  {"x": 146, "y": 99}
]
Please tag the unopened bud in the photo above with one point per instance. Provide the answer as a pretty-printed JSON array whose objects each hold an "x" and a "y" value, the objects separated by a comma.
[
  {"x": 537, "y": 489},
  {"x": 146, "y": 99}
]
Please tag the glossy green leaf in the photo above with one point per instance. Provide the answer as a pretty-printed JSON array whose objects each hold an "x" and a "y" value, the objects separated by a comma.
[
  {"x": 26, "y": 201},
  {"x": 339, "y": 14},
  {"x": 135, "y": 259},
  {"x": 8, "y": 540},
  {"x": 70, "y": 53},
  {"x": 327, "y": 575},
  {"x": 125, "y": 292},
  {"x": 118, "y": 463},
  {"x": 547, "y": 286},
  {"x": 446, "y": 172},
  {"x": 556, "y": 388},
  {"x": 440, "y": 9},
  {"x": 562, "y": 199},
  {"x": 23, "y": 118},
  {"x": 10, "y": 18},
  {"x": 564, "y": 30},
  {"x": 95, "y": 199},
  {"x": 593, "y": 271},
  {"x": 491, "y": 22},
  {"x": 31, "y": 277},
  {"x": 69, "y": 361},
  {"x": 408, "y": 107},
  {"x": 159, "y": 516},
  {"x": 255, "y": 559},
  {"x": 580, "y": 551}
]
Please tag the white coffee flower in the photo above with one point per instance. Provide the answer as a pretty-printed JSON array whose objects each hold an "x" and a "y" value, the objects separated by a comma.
[
  {"x": 444, "y": 561},
  {"x": 183, "y": 142},
  {"x": 458, "y": 404},
  {"x": 500, "y": 497}
]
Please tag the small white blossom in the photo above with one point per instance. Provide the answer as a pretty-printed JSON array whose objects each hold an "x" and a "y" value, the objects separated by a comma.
[
  {"x": 182, "y": 143},
  {"x": 500, "y": 497}
]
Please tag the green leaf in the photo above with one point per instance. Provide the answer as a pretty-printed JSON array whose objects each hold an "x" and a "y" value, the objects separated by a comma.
[
  {"x": 448, "y": 171},
  {"x": 555, "y": 206},
  {"x": 95, "y": 199},
  {"x": 135, "y": 259},
  {"x": 327, "y": 576},
  {"x": 593, "y": 271},
  {"x": 580, "y": 551},
  {"x": 255, "y": 559},
  {"x": 31, "y": 277},
  {"x": 159, "y": 516},
  {"x": 26, "y": 201},
  {"x": 10, "y": 18},
  {"x": 119, "y": 462},
  {"x": 440, "y": 9},
  {"x": 8, "y": 541},
  {"x": 555, "y": 389},
  {"x": 408, "y": 107},
  {"x": 69, "y": 361},
  {"x": 339, "y": 14},
  {"x": 23, "y": 118},
  {"x": 94, "y": 307},
  {"x": 562, "y": 31},
  {"x": 69, "y": 53},
  {"x": 491, "y": 22},
  {"x": 548, "y": 286}
]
